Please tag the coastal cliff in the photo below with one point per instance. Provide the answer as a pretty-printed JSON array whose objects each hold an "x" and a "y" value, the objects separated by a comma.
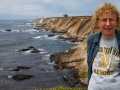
[{"x": 74, "y": 29}]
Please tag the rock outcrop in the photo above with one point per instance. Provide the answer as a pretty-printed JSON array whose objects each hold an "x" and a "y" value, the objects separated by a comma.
[
  {"x": 73, "y": 28},
  {"x": 20, "y": 77}
]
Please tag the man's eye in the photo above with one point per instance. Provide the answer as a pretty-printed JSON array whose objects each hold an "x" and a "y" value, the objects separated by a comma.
[{"x": 104, "y": 20}]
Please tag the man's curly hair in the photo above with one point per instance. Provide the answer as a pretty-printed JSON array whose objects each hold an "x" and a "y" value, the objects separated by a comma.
[{"x": 103, "y": 8}]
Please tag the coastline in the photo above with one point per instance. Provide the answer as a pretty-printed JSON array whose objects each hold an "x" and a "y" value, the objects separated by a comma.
[{"x": 74, "y": 29}]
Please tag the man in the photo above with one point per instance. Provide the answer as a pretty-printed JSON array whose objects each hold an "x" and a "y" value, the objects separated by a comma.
[{"x": 103, "y": 50}]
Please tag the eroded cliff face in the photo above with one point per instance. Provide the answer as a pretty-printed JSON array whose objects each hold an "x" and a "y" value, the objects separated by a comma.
[{"x": 77, "y": 29}]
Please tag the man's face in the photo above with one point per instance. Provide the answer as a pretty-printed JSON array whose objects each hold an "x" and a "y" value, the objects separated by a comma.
[{"x": 107, "y": 22}]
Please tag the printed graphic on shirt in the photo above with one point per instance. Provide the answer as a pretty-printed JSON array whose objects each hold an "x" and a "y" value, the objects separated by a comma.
[
  {"x": 104, "y": 60},
  {"x": 103, "y": 72}
]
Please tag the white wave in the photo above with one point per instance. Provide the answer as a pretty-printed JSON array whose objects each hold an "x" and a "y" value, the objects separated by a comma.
[
  {"x": 9, "y": 76},
  {"x": 47, "y": 55},
  {"x": 31, "y": 30},
  {"x": 49, "y": 71},
  {"x": 1, "y": 68},
  {"x": 4, "y": 31},
  {"x": 77, "y": 42},
  {"x": 10, "y": 69},
  {"x": 17, "y": 30},
  {"x": 30, "y": 23},
  {"x": 13, "y": 31},
  {"x": 68, "y": 41},
  {"x": 74, "y": 42},
  {"x": 46, "y": 71},
  {"x": 37, "y": 37},
  {"x": 53, "y": 38},
  {"x": 19, "y": 25},
  {"x": 25, "y": 52},
  {"x": 42, "y": 52},
  {"x": 66, "y": 50},
  {"x": 45, "y": 36},
  {"x": 40, "y": 37},
  {"x": 28, "y": 51}
]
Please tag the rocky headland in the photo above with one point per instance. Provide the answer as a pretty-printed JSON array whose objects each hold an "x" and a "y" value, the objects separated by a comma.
[{"x": 74, "y": 29}]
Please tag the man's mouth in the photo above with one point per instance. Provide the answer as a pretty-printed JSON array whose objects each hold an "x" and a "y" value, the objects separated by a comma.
[{"x": 107, "y": 28}]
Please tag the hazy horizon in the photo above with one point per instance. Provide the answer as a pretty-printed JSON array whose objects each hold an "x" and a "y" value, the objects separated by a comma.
[{"x": 21, "y": 9}]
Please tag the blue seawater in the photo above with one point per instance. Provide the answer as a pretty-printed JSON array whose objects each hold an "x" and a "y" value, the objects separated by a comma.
[{"x": 23, "y": 36}]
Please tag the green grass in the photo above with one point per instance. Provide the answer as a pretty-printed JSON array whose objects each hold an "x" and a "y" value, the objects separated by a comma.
[
  {"x": 60, "y": 88},
  {"x": 84, "y": 75}
]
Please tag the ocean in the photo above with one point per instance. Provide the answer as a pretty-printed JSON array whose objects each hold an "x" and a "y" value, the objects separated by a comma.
[{"x": 21, "y": 36}]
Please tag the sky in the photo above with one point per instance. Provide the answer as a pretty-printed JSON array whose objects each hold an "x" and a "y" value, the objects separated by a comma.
[{"x": 31, "y": 9}]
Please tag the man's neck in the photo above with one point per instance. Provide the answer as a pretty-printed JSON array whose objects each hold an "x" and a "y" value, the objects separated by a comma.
[{"x": 108, "y": 36}]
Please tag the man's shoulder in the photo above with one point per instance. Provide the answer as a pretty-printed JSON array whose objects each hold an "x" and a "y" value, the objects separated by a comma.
[
  {"x": 118, "y": 36},
  {"x": 118, "y": 32}
]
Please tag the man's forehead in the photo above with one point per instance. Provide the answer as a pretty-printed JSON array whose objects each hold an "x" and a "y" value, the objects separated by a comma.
[{"x": 107, "y": 14}]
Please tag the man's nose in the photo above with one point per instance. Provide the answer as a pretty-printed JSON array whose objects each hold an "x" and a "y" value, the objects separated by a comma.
[{"x": 108, "y": 22}]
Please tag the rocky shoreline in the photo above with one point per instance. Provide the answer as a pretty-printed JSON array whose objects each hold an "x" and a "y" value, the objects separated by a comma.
[{"x": 74, "y": 29}]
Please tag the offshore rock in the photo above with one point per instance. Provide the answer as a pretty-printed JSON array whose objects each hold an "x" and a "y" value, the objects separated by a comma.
[
  {"x": 20, "y": 77},
  {"x": 35, "y": 50},
  {"x": 18, "y": 68},
  {"x": 31, "y": 49},
  {"x": 8, "y": 30},
  {"x": 23, "y": 67},
  {"x": 51, "y": 35}
]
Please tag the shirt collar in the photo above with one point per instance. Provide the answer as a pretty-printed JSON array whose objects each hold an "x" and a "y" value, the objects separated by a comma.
[{"x": 98, "y": 35}]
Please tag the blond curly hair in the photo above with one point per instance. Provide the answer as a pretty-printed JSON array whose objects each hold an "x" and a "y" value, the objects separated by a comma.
[{"x": 104, "y": 7}]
